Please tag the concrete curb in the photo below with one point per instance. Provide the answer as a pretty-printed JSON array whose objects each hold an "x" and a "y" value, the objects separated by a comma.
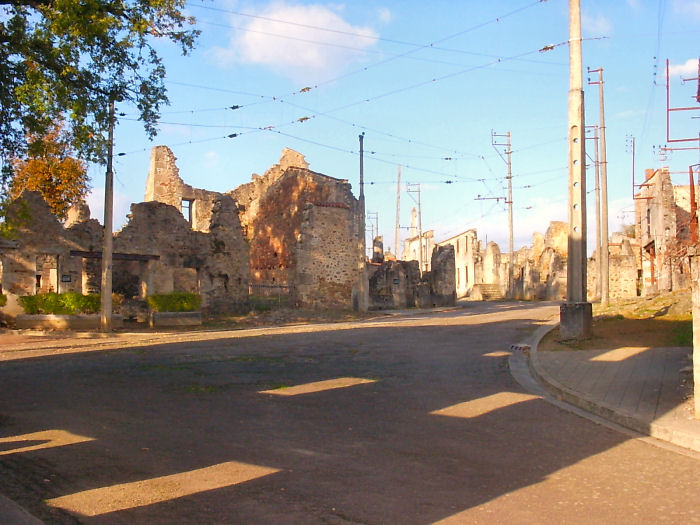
[
  {"x": 12, "y": 514},
  {"x": 658, "y": 430}
]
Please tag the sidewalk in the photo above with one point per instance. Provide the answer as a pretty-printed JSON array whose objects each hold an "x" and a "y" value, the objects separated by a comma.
[{"x": 638, "y": 388}]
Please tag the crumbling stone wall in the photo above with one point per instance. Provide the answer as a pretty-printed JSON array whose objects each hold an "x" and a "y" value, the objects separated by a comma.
[
  {"x": 467, "y": 249},
  {"x": 274, "y": 231},
  {"x": 156, "y": 252},
  {"x": 41, "y": 260},
  {"x": 662, "y": 223},
  {"x": 442, "y": 276},
  {"x": 326, "y": 270},
  {"x": 394, "y": 284},
  {"x": 164, "y": 184},
  {"x": 214, "y": 264}
]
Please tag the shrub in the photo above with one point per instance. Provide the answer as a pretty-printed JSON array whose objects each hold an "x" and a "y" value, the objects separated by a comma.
[
  {"x": 175, "y": 302},
  {"x": 60, "y": 304},
  {"x": 3, "y": 300}
]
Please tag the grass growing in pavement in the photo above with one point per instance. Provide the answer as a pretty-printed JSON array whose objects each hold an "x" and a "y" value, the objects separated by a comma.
[{"x": 661, "y": 320}]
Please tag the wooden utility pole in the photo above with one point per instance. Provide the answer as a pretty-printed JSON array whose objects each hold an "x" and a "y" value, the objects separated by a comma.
[
  {"x": 576, "y": 314},
  {"x": 398, "y": 214},
  {"x": 106, "y": 285},
  {"x": 604, "y": 247}
]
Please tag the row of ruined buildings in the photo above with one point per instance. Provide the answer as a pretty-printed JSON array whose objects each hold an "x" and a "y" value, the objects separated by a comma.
[
  {"x": 291, "y": 232},
  {"x": 298, "y": 234},
  {"x": 652, "y": 258}
]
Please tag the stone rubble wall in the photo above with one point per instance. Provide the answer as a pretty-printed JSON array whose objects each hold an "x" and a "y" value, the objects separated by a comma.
[{"x": 326, "y": 270}]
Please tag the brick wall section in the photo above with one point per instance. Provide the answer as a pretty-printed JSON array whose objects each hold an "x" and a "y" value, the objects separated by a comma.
[{"x": 327, "y": 257}]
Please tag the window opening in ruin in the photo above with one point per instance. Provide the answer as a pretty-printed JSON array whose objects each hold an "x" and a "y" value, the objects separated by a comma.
[
  {"x": 187, "y": 208},
  {"x": 648, "y": 222},
  {"x": 38, "y": 283}
]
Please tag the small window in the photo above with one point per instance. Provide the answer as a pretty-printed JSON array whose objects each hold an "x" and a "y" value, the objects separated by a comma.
[{"x": 187, "y": 209}]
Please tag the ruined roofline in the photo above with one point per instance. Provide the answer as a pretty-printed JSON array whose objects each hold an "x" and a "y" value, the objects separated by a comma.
[{"x": 458, "y": 235}]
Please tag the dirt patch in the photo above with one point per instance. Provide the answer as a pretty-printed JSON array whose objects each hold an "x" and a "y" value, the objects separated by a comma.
[{"x": 661, "y": 320}]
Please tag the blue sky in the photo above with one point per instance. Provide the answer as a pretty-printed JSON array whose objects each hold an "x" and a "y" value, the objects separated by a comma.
[{"x": 428, "y": 83}]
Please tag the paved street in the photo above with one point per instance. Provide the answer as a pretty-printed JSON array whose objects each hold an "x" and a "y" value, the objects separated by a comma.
[{"x": 399, "y": 421}]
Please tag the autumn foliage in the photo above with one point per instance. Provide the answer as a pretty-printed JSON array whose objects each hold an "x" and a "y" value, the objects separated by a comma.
[{"x": 51, "y": 170}]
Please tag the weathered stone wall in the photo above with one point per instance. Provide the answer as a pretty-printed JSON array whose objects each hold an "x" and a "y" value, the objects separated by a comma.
[
  {"x": 326, "y": 269},
  {"x": 164, "y": 184},
  {"x": 164, "y": 253},
  {"x": 442, "y": 276},
  {"x": 695, "y": 273},
  {"x": 274, "y": 231},
  {"x": 393, "y": 284},
  {"x": 467, "y": 251},
  {"x": 41, "y": 261},
  {"x": 214, "y": 264}
]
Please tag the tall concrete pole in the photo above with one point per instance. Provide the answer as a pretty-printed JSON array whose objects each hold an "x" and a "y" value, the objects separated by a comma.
[
  {"x": 511, "y": 293},
  {"x": 598, "y": 243},
  {"x": 605, "y": 250},
  {"x": 362, "y": 299},
  {"x": 106, "y": 288},
  {"x": 398, "y": 214},
  {"x": 576, "y": 313}
]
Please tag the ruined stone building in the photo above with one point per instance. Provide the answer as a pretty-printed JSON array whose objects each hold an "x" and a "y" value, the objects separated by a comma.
[
  {"x": 467, "y": 249},
  {"x": 663, "y": 215},
  {"x": 48, "y": 256},
  {"x": 301, "y": 227},
  {"x": 291, "y": 230},
  {"x": 418, "y": 246}
]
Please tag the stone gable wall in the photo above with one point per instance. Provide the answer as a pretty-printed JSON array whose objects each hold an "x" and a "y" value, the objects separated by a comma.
[{"x": 327, "y": 257}]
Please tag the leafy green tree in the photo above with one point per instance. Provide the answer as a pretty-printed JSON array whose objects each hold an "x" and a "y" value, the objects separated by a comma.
[
  {"x": 51, "y": 169},
  {"x": 65, "y": 59}
]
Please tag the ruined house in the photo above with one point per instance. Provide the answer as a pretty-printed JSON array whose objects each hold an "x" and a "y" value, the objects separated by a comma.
[
  {"x": 467, "y": 249},
  {"x": 302, "y": 228},
  {"x": 418, "y": 246},
  {"x": 400, "y": 284},
  {"x": 48, "y": 256},
  {"x": 663, "y": 218}
]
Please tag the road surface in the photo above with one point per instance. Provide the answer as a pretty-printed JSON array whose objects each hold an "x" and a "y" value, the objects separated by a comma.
[{"x": 407, "y": 420}]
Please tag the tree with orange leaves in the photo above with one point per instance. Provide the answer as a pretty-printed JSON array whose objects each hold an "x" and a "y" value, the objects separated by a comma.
[{"x": 51, "y": 169}]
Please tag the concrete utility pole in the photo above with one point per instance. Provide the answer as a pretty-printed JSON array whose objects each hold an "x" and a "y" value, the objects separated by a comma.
[
  {"x": 598, "y": 240},
  {"x": 576, "y": 315},
  {"x": 415, "y": 188},
  {"x": 604, "y": 248},
  {"x": 362, "y": 302},
  {"x": 509, "y": 201},
  {"x": 398, "y": 214},
  {"x": 106, "y": 285}
]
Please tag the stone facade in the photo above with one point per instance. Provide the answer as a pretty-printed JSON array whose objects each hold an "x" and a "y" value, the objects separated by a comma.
[
  {"x": 663, "y": 228},
  {"x": 467, "y": 250},
  {"x": 419, "y": 245},
  {"x": 50, "y": 256},
  {"x": 327, "y": 257},
  {"x": 274, "y": 218}
]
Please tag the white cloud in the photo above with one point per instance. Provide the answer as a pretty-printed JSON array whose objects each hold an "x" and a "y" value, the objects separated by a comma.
[
  {"x": 634, "y": 4},
  {"x": 596, "y": 25},
  {"x": 690, "y": 67},
  {"x": 384, "y": 15},
  {"x": 687, "y": 7},
  {"x": 288, "y": 39}
]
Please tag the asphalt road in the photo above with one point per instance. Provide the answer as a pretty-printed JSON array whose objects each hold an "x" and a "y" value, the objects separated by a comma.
[{"x": 401, "y": 421}]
